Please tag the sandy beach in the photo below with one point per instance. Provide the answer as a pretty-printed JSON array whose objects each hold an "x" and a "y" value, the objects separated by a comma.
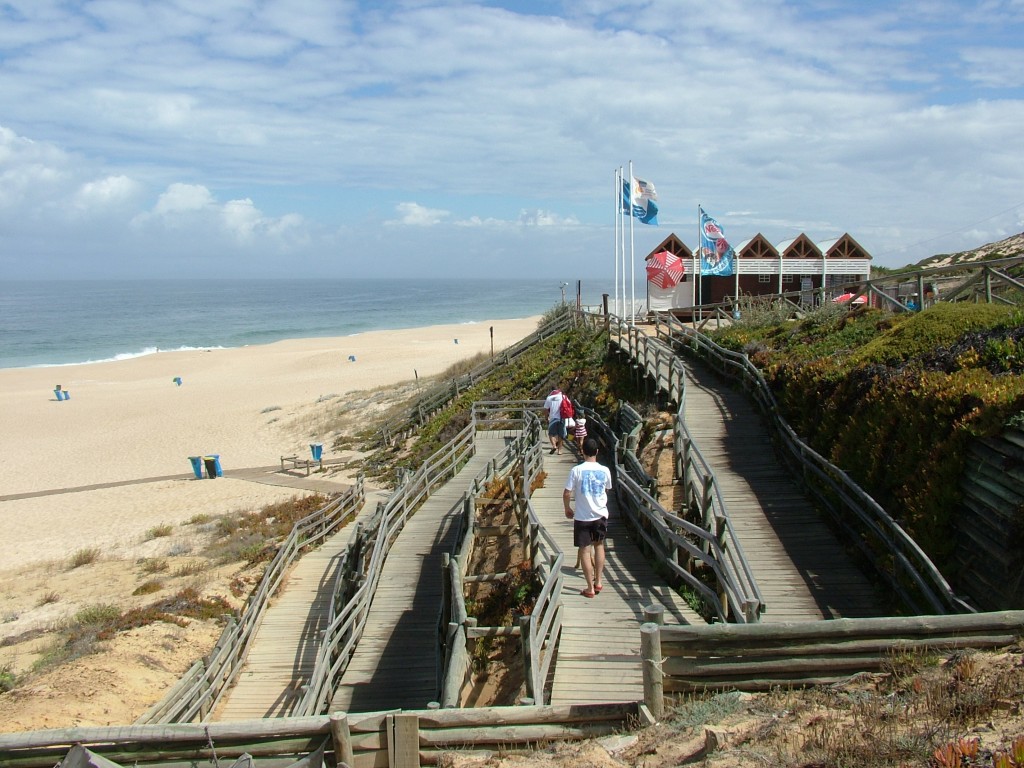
[{"x": 128, "y": 421}]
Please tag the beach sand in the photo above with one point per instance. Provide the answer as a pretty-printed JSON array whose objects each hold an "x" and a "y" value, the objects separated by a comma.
[
  {"x": 106, "y": 467},
  {"x": 128, "y": 421}
]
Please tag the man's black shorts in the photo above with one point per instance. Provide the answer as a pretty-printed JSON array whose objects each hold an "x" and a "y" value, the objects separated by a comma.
[{"x": 590, "y": 532}]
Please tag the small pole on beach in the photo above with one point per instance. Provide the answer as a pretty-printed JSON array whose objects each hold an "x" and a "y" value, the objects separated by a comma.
[{"x": 492, "y": 342}]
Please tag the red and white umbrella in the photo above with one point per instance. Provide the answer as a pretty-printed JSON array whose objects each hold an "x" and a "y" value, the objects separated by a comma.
[
  {"x": 844, "y": 298},
  {"x": 665, "y": 269}
]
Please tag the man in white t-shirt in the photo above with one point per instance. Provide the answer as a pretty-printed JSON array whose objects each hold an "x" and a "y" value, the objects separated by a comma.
[
  {"x": 556, "y": 425},
  {"x": 590, "y": 483}
]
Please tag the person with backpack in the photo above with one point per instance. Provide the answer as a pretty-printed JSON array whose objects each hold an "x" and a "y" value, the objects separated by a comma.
[{"x": 555, "y": 404}]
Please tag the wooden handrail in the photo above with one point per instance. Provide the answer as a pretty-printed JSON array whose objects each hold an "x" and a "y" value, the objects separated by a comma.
[
  {"x": 842, "y": 497},
  {"x": 197, "y": 694}
]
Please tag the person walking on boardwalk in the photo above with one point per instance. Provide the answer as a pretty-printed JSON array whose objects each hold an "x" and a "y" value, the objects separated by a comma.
[
  {"x": 556, "y": 424},
  {"x": 590, "y": 483}
]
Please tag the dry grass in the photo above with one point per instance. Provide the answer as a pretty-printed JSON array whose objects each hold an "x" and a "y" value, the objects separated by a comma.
[{"x": 83, "y": 556}]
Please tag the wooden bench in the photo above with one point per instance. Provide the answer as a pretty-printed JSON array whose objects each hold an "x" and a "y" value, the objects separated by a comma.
[{"x": 300, "y": 463}]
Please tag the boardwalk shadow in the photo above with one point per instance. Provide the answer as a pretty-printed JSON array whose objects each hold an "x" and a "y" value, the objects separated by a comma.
[
  {"x": 407, "y": 670},
  {"x": 802, "y": 534}
]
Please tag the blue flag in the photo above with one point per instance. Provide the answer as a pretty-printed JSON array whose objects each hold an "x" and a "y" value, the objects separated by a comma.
[
  {"x": 717, "y": 258},
  {"x": 644, "y": 195}
]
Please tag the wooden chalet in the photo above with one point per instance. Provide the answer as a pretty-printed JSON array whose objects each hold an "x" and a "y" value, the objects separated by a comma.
[{"x": 761, "y": 268}]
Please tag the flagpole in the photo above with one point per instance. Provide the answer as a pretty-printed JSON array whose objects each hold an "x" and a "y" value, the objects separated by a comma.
[
  {"x": 632, "y": 287},
  {"x": 618, "y": 214},
  {"x": 622, "y": 244},
  {"x": 700, "y": 263},
  {"x": 736, "y": 269}
]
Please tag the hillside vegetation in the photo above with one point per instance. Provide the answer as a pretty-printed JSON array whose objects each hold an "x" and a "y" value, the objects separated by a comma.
[
  {"x": 575, "y": 360},
  {"x": 894, "y": 399}
]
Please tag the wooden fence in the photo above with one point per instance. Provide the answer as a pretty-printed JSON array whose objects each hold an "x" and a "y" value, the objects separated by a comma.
[
  {"x": 351, "y": 606},
  {"x": 758, "y": 657},
  {"x": 896, "y": 556},
  {"x": 403, "y": 739},
  {"x": 199, "y": 691},
  {"x": 668, "y": 537},
  {"x": 439, "y": 396},
  {"x": 539, "y": 631},
  {"x": 990, "y": 521},
  {"x": 996, "y": 281}
]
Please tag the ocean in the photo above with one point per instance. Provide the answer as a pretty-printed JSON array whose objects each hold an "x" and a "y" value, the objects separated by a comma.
[{"x": 67, "y": 322}]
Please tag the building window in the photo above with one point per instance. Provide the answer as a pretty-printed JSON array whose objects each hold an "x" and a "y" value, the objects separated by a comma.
[
  {"x": 787, "y": 279},
  {"x": 764, "y": 278}
]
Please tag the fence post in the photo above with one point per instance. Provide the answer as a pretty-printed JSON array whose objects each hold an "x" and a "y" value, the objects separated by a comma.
[
  {"x": 446, "y": 589},
  {"x": 403, "y": 731},
  {"x": 650, "y": 654},
  {"x": 654, "y": 614},
  {"x": 342, "y": 739},
  {"x": 524, "y": 639}
]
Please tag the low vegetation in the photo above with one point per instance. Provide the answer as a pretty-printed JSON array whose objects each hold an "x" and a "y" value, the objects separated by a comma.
[
  {"x": 242, "y": 540},
  {"x": 895, "y": 399}
]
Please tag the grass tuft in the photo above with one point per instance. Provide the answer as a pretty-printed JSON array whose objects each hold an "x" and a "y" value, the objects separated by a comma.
[{"x": 84, "y": 556}]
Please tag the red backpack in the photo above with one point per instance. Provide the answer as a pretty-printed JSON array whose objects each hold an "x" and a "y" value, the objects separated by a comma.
[{"x": 565, "y": 409}]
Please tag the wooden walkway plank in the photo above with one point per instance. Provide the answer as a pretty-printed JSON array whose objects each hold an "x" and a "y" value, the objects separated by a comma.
[
  {"x": 284, "y": 649},
  {"x": 800, "y": 567},
  {"x": 395, "y": 664},
  {"x": 599, "y": 649}
]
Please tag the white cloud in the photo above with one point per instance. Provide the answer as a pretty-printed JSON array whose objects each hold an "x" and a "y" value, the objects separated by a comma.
[
  {"x": 183, "y": 198},
  {"x": 416, "y": 215},
  {"x": 894, "y": 122}
]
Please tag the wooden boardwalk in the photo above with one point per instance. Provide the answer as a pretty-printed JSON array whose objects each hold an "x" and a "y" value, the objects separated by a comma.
[
  {"x": 283, "y": 651},
  {"x": 599, "y": 651},
  {"x": 395, "y": 664},
  {"x": 800, "y": 567}
]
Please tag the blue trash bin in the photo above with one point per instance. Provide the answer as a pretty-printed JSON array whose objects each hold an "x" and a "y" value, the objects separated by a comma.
[
  {"x": 59, "y": 394},
  {"x": 197, "y": 466},
  {"x": 67, "y": 395},
  {"x": 317, "y": 449}
]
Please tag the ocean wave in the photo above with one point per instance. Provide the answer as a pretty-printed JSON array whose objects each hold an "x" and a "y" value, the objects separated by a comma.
[{"x": 126, "y": 356}]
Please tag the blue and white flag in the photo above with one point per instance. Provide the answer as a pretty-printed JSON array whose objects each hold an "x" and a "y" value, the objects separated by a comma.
[
  {"x": 644, "y": 195},
  {"x": 717, "y": 258}
]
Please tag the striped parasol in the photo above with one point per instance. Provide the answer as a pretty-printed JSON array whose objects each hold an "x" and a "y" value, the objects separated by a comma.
[{"x": 665, "y": 269}]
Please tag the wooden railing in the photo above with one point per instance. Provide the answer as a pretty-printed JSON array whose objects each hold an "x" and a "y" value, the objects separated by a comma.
[
  {"x": 199, "y": 691},
  {"x": 400, "y": 739},
  {"x": 538, "y": 632},
  {"x": 682, "y": 659},
  {"x": 375, "y": 540},
  {"x": 440, "y": 395},
  {"x": 896, "y": 556},
  {"x": 677, "y": 542},
  {"x": 995, "y": 281}
]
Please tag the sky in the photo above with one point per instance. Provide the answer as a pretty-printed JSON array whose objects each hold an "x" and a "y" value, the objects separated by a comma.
[{"x": 424, "y": 138}]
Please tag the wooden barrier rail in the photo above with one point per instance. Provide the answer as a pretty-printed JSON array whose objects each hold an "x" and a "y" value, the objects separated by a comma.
[
  {"x": 758, "y": 657},
  {"x": 439, "y": 396},
  {"x": 671, "y": 539},
  {"x": 539, "y": 631},
  {"x": 199, "y": 691},
  {"x": 895, "y": 555},
  {"x": 376, "y": 538},
  {"x": 399, "y": 739}
]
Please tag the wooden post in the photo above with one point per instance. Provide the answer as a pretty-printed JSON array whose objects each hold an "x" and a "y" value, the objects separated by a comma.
[
  {"x": 446, "y": 589},
  {"x": 342, "y": 738},
  {"x": 654, "y": 614},
  {"x": 524, "y": 639},
  {"x": 650, "y": 654},
  {"x": 403, "y": 740}
]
